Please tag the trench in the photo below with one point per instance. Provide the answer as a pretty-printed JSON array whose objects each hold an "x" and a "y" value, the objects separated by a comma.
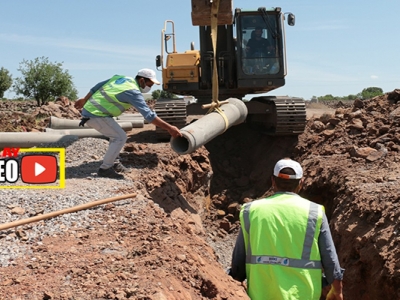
[{"x": 242, "y": 162}]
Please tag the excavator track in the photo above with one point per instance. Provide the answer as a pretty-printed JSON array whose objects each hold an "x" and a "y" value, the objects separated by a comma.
[
  {"x": 277, "y": 115},
  {"x": 290, "y": 115},
  {"x": 172, "y": 112}
]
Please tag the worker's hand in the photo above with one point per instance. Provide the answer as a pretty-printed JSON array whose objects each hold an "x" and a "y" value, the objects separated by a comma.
[
  {"x": 174, "y": 131},
  {"x": 334, "y": 294},
  {"x": 79, "y": 103}
]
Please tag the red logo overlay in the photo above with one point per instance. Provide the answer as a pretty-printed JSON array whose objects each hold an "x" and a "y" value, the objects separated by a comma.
[{"x": 38, "y": 169}]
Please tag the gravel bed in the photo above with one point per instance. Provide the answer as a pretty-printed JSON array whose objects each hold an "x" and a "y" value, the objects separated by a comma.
[{"x": 83, "y": 159}]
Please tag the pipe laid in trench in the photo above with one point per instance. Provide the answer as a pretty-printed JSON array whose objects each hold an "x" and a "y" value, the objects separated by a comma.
[
  {"x": 64, "y": 211},
  {"x": 57, "y": 123},
  {"x": 33, "y": 139},
  {"x": 208, "y": 127}
]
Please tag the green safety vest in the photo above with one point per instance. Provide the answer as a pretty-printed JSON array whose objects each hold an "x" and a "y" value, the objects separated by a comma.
[
  {"x": 104, "y": 102},
  {"x": 281, "y": 240}
]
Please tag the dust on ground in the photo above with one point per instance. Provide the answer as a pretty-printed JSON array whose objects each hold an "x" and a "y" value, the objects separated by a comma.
[{"x": 170, "y": 249}]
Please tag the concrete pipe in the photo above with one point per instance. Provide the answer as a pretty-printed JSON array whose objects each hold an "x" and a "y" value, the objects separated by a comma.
[
  {"x": 57, "y": 123},
  {"x": 33, "y": 139},
  {"x": 131, "y": 117},
  {"x": 208, "y": 127},
  {"x": 136, "y": 122},
  {"x": 81, "y": 133}
]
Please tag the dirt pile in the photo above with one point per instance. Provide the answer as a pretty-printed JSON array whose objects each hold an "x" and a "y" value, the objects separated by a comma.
[
  {"x": 159, "y": 250},
  {"x": 352, "y": 167},
  {"x": 19, "y": 116}
]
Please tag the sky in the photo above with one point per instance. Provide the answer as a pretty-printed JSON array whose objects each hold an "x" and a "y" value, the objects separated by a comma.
[{"x": 336, "y": 47}]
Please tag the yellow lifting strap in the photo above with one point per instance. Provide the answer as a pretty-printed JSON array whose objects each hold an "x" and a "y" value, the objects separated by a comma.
[{"x": 215, "y": 105}]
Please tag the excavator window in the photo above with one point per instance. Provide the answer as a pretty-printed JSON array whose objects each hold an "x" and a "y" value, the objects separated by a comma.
[{"x": 259, "y": 45}]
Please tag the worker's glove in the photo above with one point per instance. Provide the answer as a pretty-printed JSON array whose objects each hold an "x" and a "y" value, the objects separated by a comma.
[{"x": 83, "y": 121}]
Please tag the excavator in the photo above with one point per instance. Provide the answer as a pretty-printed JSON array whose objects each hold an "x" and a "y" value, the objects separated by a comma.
[{"x": 241, "y": 67}]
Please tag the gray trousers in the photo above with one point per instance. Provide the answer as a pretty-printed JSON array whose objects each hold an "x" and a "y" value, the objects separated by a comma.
[{"x": 109, "y": 128}]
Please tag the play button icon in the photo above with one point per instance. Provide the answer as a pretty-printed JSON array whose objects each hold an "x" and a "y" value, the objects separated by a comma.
[{"x": 39, "y": 169}]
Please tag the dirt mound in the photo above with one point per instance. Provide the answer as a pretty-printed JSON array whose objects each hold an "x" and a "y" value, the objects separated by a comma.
[
  {"x": 351, "y": 161},
  {"x": 352, "y": 167},
  {"x": 159, "y": 251},
  {"x": 19, "y": 116}
]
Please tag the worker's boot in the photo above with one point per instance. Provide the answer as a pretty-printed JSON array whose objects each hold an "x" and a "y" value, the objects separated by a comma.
[
  {"x": 120, "y": 168},
  {"x": 109, "y": 173}
]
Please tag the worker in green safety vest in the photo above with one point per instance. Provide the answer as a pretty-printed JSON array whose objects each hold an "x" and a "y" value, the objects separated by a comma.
[
  {"x": 110, "y": 98},
  {"x": 285, "y": 244}
]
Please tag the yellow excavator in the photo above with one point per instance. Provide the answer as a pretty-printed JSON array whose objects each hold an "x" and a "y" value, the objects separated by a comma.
[{"x": 249, "y": 56}]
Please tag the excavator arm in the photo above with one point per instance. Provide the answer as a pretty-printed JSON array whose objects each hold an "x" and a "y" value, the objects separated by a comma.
[{"x": 201, "y": 12}]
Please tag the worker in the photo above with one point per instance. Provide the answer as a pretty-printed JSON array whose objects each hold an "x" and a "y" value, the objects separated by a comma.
[
  {"x": 257, "y": 45},
  {"x": 109, "y": 99},
  {"x": 285, "y": 242}
]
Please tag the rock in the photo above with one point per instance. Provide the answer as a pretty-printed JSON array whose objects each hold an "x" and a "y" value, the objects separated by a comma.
[
  {"x": 334, "y": 121},
  {"x": 225, "y": 225},
  {"x": 318, "y": 126},
  {"x": 358, "y": 103},
  {"x": 18, "y": 210},
  {"x": 361, "y": 152},
  {"x": 328, "y": 133},
  {"x": 221, "y": 213},
  {"x": 356, "y": 124},
  {"x": 233, "y": 207},
  {"x": 395, "y": 113},
  {"x": 394, "y": 96},
  {"x": 355, "y": 114}
]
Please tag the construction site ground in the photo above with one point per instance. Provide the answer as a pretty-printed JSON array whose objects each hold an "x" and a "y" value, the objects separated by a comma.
[{"x": 173, "y": 239}]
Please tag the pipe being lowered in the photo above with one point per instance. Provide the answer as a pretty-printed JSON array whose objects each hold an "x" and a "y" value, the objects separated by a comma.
[{"x": 208, "y": 127}]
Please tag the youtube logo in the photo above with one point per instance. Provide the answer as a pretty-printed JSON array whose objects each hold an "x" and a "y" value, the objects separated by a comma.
[{"x": 38, "y": 169}]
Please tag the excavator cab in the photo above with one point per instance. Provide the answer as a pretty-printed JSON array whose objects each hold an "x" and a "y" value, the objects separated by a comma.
[
  {"x": 260, "y": 50},
  {"x": 251, "y": 59},
  {"x": 258, "y": 46}
]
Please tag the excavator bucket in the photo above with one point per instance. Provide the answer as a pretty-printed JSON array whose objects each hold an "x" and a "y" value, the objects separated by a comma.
[{"x": 201, "y": 12}]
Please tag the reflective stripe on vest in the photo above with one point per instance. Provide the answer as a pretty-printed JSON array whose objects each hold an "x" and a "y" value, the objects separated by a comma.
[
  {"x": 304, "y": 262},
  {"x": 103, "y": 103}
]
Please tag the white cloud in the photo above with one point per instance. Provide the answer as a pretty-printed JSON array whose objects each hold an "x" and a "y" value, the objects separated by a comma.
[
  {"x": 374, "y": 77},
  {"x": 77, "y": 44}
]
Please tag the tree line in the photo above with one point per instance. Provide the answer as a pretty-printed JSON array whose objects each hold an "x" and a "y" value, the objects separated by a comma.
[
  {"x": 366, "y": 93},
  {"x": 44, "y": 81}
]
